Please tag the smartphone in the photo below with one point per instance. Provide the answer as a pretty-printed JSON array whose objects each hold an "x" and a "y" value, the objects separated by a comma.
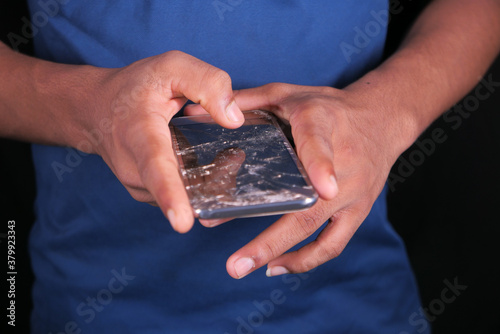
[{"x": 244, "y": 172}]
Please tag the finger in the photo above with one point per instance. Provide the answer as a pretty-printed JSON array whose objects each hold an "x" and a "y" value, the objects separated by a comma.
[
  {"x": 159, "y": 173},
  {"x": 206, "y": 85},
  {"x": 312, "y": 133},
  {"x": 328, "y": 245},
  {"x": 194, "y": 110},
  {"x": 285, "y": 233},
  {"x": 214, "y": 222},
  {"x": 265, "y": 97}
]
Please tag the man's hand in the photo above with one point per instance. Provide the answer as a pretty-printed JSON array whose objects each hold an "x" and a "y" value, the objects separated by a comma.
[
  {"x": 345, "y": 148},
  {"x": 357, "y": 133},
  {"x": 138, "y": 101},
  {"x": 125, "y": 111}
]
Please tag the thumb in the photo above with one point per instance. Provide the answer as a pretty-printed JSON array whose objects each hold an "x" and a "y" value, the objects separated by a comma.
[
  {"x": 267, "y": 97},
  {"x": 207, "y": 85}
]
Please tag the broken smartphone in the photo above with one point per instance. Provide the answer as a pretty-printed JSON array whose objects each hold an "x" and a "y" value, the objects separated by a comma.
[{"x": 231, "y": 173}]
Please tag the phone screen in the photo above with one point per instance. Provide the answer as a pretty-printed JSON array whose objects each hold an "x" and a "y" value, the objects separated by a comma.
[{"x": 249, "y": 171}]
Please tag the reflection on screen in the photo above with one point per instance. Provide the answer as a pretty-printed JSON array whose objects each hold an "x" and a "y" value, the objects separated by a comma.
[{"x": 250, "y": 165}]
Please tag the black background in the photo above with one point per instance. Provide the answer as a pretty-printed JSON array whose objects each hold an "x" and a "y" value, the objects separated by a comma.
[{"x": 445, "y": 210}]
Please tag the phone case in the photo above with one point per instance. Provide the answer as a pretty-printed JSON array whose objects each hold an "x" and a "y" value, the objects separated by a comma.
[{"x": 249, "y": 171}]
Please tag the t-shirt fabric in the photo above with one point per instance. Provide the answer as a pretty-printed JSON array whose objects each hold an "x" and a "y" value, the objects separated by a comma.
[{"x": 105, "y": 263}]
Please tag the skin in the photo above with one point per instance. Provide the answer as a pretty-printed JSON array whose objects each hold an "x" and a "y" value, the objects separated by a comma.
[
  {"x": 135, "y": 102},
  {"x": 347, "y": 139},
  {"x": 356, "y": 134}
]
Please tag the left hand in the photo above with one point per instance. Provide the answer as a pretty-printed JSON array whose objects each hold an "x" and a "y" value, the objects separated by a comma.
[{"x": 344, "y": 143}]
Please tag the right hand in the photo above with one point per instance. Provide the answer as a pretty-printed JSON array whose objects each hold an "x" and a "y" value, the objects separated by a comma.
[{"x": 136, "y": 103}]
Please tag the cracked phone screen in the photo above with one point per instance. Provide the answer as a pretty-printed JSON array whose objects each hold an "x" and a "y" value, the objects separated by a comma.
[{"x": 249, "y": 171}]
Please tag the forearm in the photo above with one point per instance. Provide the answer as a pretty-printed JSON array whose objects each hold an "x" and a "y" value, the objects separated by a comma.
[
  {"x": 44, "y": 102},
  {"x": 445, "y": 54}
]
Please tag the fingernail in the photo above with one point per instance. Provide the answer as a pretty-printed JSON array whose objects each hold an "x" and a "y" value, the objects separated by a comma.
[
  {"x": 171, "y": 216},
  {"x": 335, "y": 186},
  {"x": 233, "y": 113},
  {"x": 276, "y": 271},
  {"x": 243, "y": 266}
]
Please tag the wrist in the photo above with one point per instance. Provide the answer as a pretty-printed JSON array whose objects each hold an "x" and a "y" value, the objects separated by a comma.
[
  {"x": 69, "y": 95},
  {"x": 389, "y": 114}
]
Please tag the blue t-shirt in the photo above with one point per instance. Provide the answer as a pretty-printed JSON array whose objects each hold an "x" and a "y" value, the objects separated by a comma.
[{"x": 105, "y": 263}]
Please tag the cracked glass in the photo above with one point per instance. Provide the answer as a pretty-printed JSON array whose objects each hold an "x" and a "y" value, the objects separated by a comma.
[{"x": 249, "y": 171}]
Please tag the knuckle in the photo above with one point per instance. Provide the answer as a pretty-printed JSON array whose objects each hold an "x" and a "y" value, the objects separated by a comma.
[
  {"x": 219, "y": 87},
  {"x": 276, "y": 89},
  {"x": 129, "y": 178},
  {"x": 218, "y": 78},
  {"x": 174, "y": 53},
  {"x": 306, "y": 222},
  {"x": 141, "y": 196},
  {"x": 270, "y": 250},
  {"x": 328, "y": 91},
  {"x": 308, "y": 264},
  {"x": 329, "y": 251},
  {"x": 173, "y": 56},
  {"x": 305, "y": 264}
]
